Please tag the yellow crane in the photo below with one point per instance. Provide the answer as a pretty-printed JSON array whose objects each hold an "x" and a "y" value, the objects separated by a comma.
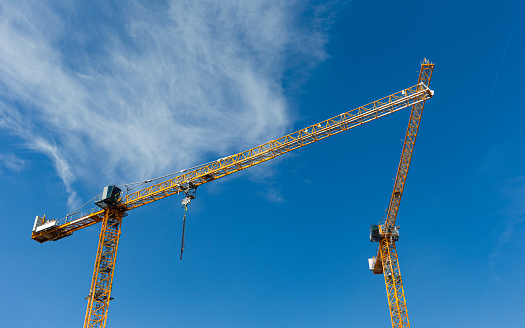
[
  {"x": 387, "y": 233},
  {"x": 113, "y": 204}
]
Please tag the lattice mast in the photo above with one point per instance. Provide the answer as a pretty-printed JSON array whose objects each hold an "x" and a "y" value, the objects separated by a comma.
[
  {"x": 116, "y": 204},
  {"x": 387, "y": 233},
  {"x": 102, "y": 281}
]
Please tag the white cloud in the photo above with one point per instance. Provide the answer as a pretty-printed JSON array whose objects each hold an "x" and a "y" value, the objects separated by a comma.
[
  {"x": 12, "y": 162},
  {"x": 126, "y": 92}
]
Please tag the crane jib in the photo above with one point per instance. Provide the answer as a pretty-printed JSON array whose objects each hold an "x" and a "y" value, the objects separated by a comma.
[{"x": 234, "y": 163}]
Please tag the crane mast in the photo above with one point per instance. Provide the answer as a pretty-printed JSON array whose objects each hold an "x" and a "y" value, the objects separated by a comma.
[
  {"x": 387, "y": 233},
  {"x": 100, "y": 291},
  {"x": 114, "y": 204}
]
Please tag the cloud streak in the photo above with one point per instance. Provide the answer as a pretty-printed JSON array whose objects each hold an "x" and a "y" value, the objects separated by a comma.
[
  {"x": 132, "y": 90},
  {"x": 514, "y": 214},
  {"x": 502, "y": 58},
  {"x": 12, "y": 162}
]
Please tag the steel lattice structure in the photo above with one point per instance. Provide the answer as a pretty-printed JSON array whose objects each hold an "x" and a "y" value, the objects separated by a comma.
[
  {"x": 386, "y": 261},
  {"x": 111, "y": 216},
  {"x": 100, "y": 292}
]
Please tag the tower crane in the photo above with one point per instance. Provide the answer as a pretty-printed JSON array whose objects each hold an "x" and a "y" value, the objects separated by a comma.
[
  {"x": 114, "y": 203},
  {"x": 387, "y": 233}
]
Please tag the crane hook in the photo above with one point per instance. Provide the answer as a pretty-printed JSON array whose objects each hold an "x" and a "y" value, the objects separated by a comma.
[{"x": 190, "y": 191}]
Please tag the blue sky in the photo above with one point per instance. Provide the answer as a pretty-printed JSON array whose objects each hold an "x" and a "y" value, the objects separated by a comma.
[{"x": 93, "y": 94}]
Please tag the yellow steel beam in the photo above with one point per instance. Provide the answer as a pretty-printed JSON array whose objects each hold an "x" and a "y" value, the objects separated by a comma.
[
  {"x": 405, "y": 98},
  {"x": 394, "y": 284}
]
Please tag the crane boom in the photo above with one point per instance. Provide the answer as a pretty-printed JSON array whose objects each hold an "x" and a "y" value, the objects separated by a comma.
[
  {"x": 234, "y": 163},
  {"x": 386, "y": 261}
]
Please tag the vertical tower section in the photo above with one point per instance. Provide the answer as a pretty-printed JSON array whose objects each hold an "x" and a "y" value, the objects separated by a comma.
[
  {"x": 394, "y": 284},
  {"x": 100, "y": 292}
]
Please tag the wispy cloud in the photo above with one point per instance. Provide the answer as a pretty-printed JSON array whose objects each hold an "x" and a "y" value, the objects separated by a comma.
[
  {"x": 502, "y": 58},
  {"x": 12, "y": 162},
  {"x": 133, "y": 90}
]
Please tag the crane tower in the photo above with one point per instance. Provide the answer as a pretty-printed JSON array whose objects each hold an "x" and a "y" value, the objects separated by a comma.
[{"x": 386, "y": 233}]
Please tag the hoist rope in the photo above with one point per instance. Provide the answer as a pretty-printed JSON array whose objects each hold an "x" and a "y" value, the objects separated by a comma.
[{"x": 183, "y": 230}]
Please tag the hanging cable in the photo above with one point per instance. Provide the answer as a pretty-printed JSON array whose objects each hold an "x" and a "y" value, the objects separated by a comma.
[
  {"x": 190, "y": 191},
  {"x": 139, "y": 183},
  {"x": 183, "y": 230}
]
